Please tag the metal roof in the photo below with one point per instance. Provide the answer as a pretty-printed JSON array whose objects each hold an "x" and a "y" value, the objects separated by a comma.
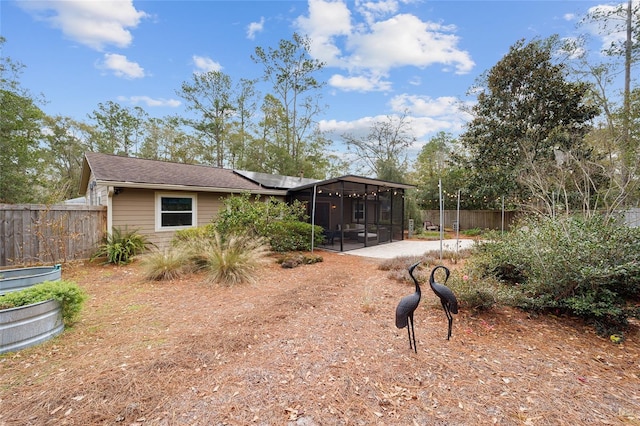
[{"x": 275, "y": 181}]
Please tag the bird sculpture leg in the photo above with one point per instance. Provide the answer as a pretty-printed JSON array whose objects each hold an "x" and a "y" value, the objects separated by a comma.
[
  {"x": 413, "y": 331},
  {"x": 449, "y": 318}
]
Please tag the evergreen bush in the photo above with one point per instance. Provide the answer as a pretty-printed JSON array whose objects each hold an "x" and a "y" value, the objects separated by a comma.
[
  {"x": 68, "y": 293},
  {"x": 283, "y": 225},
  {"x": 588, "y": 267}
]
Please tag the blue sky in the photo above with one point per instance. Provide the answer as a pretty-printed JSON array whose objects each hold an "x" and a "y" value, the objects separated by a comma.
[{"x": 382, "y": 57}]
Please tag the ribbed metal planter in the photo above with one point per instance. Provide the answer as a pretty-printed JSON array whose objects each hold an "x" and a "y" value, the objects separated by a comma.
[
  {"x": 29, "y": 325},
  {"x": 21, "y": 278}
]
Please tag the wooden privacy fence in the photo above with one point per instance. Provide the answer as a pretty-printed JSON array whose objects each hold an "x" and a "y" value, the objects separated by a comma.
[
  {"x": 36, "y": 233},
  {"x": 632, "y": 217},
  {"x": 471, "y": 219}
]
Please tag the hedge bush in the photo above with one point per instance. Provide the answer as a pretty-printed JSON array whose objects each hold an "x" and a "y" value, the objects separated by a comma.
[
  {"x": 283, "y": 225},
  {"x": 585, "y": 267},
  {"x": 68, "y": 293}
]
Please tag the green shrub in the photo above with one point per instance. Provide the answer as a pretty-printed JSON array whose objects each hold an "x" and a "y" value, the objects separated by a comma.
[
  {"x": 480, "y": 293},
  {"x": 119, "y": 247},
  {"x": 283, "y": 225},
  {"x": 584, "y": 267},
  {"x": 69, "y": 294},
  {"x": 292, "y": 236},
  {"x": 186, "y": 235},
  {"x": 428, "y": 235},
  {"x": 292, "y": 260},
  {"x": 473, "y": 232}
]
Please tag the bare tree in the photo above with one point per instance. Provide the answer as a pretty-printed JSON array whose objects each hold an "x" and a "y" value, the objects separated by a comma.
[{"x": 383, "y": 151}]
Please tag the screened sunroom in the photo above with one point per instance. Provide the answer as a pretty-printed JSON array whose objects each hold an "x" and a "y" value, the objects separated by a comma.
[{"x": 354, "y": 211}]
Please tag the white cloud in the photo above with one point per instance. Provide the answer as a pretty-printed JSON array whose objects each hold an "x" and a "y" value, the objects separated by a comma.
[
  {"x": 327, "y": 21},
  {"x": 334, "y": 129},
  {"x": 255, "y": 27},
  {"x": 426, "y": 117},
  {"x": 204, "y": 64},
  {"x": 93, "y": 23},
  {"x": 405, "y": 40},
  {"x": 415, "y": 80},
  {"x": 359, "y": 83},
  {"x": 430, "y": 115},
  {"x": 121, "y": 66},
  {"x": 384, "y": 40},
  {"x": 151, "y": 102},
  {"x": 371, "y": 10}
]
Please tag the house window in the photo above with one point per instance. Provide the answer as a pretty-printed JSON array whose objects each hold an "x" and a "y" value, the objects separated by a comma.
[{"x": 175, "y": 211}]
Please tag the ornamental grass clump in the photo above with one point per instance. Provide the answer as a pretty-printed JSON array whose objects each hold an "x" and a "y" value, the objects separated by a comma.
[
  {"x": 167, "y": 264},
  {"x": 234, "y": 259}
]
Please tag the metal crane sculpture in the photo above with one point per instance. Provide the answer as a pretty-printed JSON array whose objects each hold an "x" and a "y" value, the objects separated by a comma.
[
  {"x": 447, "y": 298},
  {"x": 406, "y": 308}
]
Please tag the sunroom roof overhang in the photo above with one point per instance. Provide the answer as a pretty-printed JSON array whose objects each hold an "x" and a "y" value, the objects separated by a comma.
[{"x": 353, "y": 179}]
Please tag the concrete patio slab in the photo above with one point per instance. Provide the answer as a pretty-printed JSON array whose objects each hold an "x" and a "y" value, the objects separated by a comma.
[{"x": 409, "y": 248}]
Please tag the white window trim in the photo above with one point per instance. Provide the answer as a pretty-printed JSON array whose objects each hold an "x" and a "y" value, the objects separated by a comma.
[{"x": 194, "y": 210}]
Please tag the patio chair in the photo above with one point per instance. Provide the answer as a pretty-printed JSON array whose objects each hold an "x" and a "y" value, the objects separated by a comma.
[{"x": 430, "y": 226}]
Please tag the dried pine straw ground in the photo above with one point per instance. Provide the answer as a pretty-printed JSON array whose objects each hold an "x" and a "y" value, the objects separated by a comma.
[{"x": 313, "y": 345}]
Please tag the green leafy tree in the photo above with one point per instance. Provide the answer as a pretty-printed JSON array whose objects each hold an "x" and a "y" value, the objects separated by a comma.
[
  {"x": 66, "y": 144},
  {"x": 21, "y": 122},
  {"x": 118, "y": 130},
  {"x": 242, "y": 129},
  {"x": 210, "y": 96},
  {"x": 526, "y": 112},
  {"x": 434, "y": 165},
  {"x": 166, "y": 139},
  {"x": 292, "y": 137}
]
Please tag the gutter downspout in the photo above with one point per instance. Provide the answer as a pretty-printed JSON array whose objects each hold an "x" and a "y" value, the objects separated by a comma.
[
  {"x": 313, "y": 217},
  {"x": 110, "y": 191}
]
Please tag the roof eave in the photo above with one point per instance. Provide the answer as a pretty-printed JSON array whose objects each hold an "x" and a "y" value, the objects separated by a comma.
[
  {"x": 356, "y": 179},
  {"x": 183, "y": 188},
  {"x": 84, "y": 176}
]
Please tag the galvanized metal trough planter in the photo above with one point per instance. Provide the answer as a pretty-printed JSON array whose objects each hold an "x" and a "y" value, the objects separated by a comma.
[
  {"x": 29, "y": 325},
  {"x": 21, "y": 278}
]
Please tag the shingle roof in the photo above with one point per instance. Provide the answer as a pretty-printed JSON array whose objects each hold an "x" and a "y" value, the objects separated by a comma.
[{"x": 113, "y": 168}]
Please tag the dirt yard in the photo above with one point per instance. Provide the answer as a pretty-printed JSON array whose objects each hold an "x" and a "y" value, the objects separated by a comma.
[{"x": 313, "y": 345}]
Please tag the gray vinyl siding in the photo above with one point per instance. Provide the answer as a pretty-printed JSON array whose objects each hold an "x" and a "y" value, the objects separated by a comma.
[
  {"x": 209, "y": 204},
  {"x": 135, "y": 209},
  {"x": 100, "y": 193}
]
